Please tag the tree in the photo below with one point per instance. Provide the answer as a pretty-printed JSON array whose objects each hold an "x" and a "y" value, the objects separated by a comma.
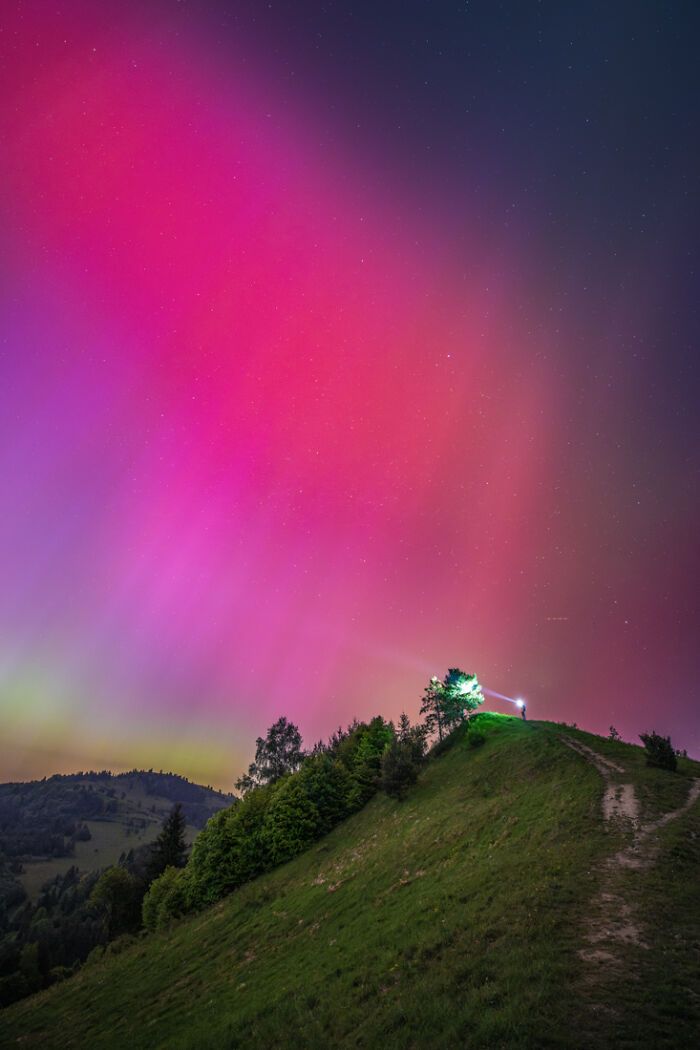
[
  {"x": 166, "y": 899},
  {"x": 370, "y": 741},
  {"x": 462, "y": 695},
  {"x": 118, "y": 895},
  {"x": 659, "y": 751},
  {"x": 403, "y": 729},
  {"x": 327, "y": 784},
  {"x": 279, "y": 753},
  {"x": 447, "y": 703},
  {"x": 402, "y": 758},
  {"x": 169, "y": 849},
  {"x": 414, "y": 737},
  {"x": 432, "y": 706},
  {"x": 291, "y": 821},
  {"x": 231, "y": 849}
]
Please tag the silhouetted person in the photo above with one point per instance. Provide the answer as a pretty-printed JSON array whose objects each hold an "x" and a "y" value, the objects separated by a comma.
[{"x": 523, "y": 712}]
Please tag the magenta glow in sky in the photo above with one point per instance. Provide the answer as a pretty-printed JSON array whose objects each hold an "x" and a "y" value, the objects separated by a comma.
[{"x": 274, "y": 440}]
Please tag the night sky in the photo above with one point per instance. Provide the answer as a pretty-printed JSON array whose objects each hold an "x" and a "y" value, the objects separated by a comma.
[{"x": 342, "y": 343}]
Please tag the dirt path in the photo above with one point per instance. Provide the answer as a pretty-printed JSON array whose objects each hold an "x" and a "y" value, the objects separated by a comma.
[
  {"x": 619, "y": 800},
  {"x": 612, "y": 921}
]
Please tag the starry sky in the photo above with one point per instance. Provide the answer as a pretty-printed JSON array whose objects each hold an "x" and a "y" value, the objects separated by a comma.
[{"x": 342, "y": 343}]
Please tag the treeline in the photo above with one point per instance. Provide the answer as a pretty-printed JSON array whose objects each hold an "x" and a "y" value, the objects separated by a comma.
[
  {"x": 291, "y": 799},
  {"x": 167, "y": 784},
  {"x": 276, "y": 820}
]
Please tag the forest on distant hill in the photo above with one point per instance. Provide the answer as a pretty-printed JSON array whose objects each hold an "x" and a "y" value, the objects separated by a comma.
[{"x": 56, "y": 836}]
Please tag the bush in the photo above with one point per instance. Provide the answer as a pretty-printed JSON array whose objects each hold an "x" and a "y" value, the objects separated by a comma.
[
  {"x": 475, "y": 738},
  {"x": 96, "y": 955},
  {"x": 59, "y": 973},
  {"x": 659, "y": 751},
  {"x": 168, "y": 898}
]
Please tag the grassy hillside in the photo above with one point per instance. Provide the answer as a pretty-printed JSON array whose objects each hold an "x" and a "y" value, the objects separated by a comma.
[{"x": 455, "y": 918}]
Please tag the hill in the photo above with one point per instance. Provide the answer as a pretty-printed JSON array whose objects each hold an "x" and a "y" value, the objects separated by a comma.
[
  {"x": 88, "y": 820},
  {"x": 538, "y": 891}
]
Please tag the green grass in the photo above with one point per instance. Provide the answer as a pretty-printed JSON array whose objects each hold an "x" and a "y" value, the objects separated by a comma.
[{"x": 452, "y": 919}]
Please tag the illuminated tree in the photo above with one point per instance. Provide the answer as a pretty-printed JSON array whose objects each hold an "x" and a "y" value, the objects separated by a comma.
[
  {"x": 447, "y": 703},
  {"x": 462, "y": 695}
]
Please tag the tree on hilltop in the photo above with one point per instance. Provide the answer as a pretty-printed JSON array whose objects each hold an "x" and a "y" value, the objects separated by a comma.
[{"x": 448, "y": 702}]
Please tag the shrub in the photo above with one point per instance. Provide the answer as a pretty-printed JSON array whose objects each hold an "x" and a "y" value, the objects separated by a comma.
[
  {"x": 168, "y": 898},
  {"x": 659, "y": 751},
  {"x": 59, "y": 973},
  {"x": 475, "y": 738},
  {"x": 96, "y": 955}
]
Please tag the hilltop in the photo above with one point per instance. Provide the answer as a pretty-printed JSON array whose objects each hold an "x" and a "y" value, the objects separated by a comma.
[{"x": 537, "y": 891}]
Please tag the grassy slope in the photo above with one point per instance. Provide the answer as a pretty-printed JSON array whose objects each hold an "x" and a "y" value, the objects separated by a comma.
[
  {"x": 451, "y": 919},
  {"x": 656, "y": 998}
]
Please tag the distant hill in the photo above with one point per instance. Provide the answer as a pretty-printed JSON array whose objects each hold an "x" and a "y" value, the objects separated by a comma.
[
  {"x": 537, "y": 891},
  {"x": 88, "y": 820}
]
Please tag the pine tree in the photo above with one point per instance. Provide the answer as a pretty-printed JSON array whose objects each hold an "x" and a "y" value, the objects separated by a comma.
[
  {"x": 403, "y": 729},
  {"x": 399, "y": 768},
  {"x": 432, "y": 706},
  {"x": 169, "y": 848}
]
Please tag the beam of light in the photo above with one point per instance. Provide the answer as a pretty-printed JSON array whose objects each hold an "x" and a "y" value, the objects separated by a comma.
[{"x": 500, "y": 696}]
